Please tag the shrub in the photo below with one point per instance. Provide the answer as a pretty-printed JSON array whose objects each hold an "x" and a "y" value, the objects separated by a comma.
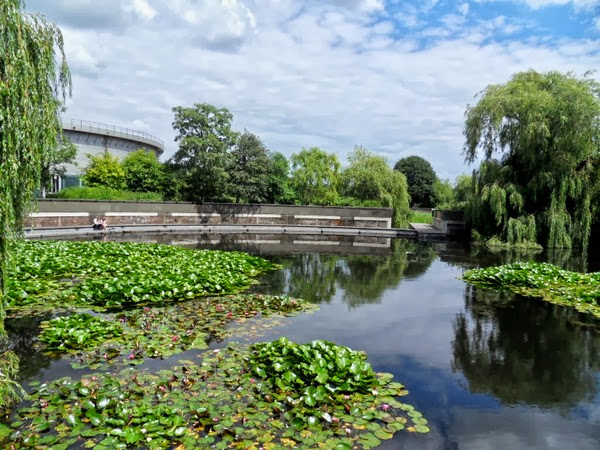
[{"x": 105, "y": 193}]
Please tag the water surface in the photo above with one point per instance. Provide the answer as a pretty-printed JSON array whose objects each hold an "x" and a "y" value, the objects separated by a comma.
[{"x": 488, "y": 370}]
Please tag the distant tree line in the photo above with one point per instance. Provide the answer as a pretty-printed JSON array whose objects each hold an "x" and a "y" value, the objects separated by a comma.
[
  {"x": 538, "y": 182},
  {"x": 216, "y": 164}
]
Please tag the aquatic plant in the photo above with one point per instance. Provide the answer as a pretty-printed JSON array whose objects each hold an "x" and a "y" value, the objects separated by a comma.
[
  {"x": 49, "y": 275},
  {"x": 160, "y": 332},
  {"x": 78, "y": 331},
  {"x": 219, "y": 403},
  {"x": 319, "y": 367},
  {"x": 543, "y": 280}
]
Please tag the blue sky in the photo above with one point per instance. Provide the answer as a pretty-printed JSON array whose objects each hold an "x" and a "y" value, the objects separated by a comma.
[{"x": 393, "y": 76}]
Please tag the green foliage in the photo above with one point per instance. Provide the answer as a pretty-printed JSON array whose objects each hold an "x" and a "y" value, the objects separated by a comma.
[
  {"x": 420, "y": 177},
  {"x": 315, "y": 176},
  {"x": 443, "y": 193},
  {"x": 77, "y": 331},
  {"x": 538, "y": 135},
  {"x": 104, "y": 170},
  {"x": 143, "y": 172},
  {"x": 421, "y": 217},
  {"x": 64, "y": 153},
  {"x": 320, "y": 365},
  {"x": 34, "y": 78},
  {"x": 105, "y": 193},
  {"x": 10, "y": 389},
  {"x": 116, "y": 275},
  {"x": 280, "y": 190},
  {"x": 217, "y": 403},
  {"x": 202, "y": 161},
  {"x": 250, "y": 168},
  {"x": 463, "y": 189},
  {"x": 164, "y": 331},
  {"x": 546, "y": 281},
  {"x": 368, "y": 178}
]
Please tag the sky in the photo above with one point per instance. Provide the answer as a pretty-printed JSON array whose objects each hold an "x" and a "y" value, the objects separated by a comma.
[{"x": 393, "y": 76}]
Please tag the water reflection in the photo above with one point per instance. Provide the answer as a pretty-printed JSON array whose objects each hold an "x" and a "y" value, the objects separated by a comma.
[
  {"x": 22, "y": 335},
  {"x": 480, "y": 255},
  {"x": 525, "y": 351},
  {"x": 362, "y": 279}
]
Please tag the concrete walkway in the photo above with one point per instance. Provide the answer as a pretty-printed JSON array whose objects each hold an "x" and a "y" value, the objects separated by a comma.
[{"x": 427, "y": 232}]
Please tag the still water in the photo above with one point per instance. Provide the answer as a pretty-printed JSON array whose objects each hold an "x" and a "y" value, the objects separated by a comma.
[{"x": 488, "y": 370}]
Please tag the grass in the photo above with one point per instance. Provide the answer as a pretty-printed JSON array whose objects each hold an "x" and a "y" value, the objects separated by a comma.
[{"x": 421, "y": 217}]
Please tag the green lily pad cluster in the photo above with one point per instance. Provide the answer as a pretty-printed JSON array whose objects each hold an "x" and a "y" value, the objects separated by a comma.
[
  {"x": 543, "y": 280},
  {"x": 103, "y": 275},
  {"x": 129, "y": 337},
  {"x": 216, "y": 403},
  {"x": 319, "y": 368},
  {"x": 78, "y": 331}
]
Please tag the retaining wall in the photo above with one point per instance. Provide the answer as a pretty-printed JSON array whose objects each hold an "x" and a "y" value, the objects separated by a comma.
[
  {"x": 73, "y": 213},
  {"x": 452, "y": 223}
]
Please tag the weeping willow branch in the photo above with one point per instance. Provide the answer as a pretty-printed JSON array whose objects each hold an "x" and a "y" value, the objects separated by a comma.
[
  {"x": 34, "y": 80},
  {"x": 10, "y": 390}
]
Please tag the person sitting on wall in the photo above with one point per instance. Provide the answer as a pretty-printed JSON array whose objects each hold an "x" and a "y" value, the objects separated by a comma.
[
  {"x": 97, "y": 225},
  {"x": 103, "y": 223}
]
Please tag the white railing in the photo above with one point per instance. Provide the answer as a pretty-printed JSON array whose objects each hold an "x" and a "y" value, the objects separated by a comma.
[{"x": 97, "y": 126}]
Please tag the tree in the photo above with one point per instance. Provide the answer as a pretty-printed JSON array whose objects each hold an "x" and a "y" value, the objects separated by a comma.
[
  {"x": 420, "y": 177},
  {"x": 280, "y": 190},
  {"x": 463, "y": 189},
  {"x": 104, "y": 170},
  {"x": 538, "y": 136},
  {"x": 371, "y": 180},
  {"x": 34, "y": 81},
  {"x": 143, "y": 172},
  {"x": 249, "y": 170},
  {"x": 315, "y": 176},
  {"x": 55, "y": 160},
  {"x": 202, "y": 160},
  {"x": 443, "y": 193}
]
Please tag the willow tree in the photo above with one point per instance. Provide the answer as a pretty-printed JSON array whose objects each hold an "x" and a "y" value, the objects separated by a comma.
[
  {"x": 34, "y": 79},
  {"x": 539, "y": 139},
  {"x": 370, "y": 180}
]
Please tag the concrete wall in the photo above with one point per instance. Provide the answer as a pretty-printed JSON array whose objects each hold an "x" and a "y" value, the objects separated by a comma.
[
  {"x": 69, "y": 213},
  {"x": 450, "y": 222},
  {"x": 94, "y": 138}
]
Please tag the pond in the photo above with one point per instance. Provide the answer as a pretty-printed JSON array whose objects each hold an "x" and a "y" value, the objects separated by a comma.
[{"x": 488, "y": 370}]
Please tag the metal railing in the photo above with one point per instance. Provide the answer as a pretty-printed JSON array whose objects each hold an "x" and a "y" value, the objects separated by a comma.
[{"x": 97, "y": 126}]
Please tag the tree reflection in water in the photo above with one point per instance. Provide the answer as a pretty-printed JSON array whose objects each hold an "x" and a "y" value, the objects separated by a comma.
[
  {"x": 363, "y": 278},
  {"x": 525, "y": 351}
]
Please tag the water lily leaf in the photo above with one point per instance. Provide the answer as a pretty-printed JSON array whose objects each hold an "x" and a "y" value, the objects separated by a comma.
[
  {"x": 422, "y": 429},
  {"x": 369, "y": 440},
  {"x": 73, "y": 420},
  {"x": 95, "y": 418},
  {"x": 381, "y": 434},
  {"x": 49, "y": 439}
]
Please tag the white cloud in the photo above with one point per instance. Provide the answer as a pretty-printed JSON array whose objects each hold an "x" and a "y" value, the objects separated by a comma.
[
  {"x": 304, "y": 74},
  {"x": 143, "y": 9},
  {"x": 463, "y": 8},
  {"x": 368, "y": 6},
  {"x": 217, "y": 24}
]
